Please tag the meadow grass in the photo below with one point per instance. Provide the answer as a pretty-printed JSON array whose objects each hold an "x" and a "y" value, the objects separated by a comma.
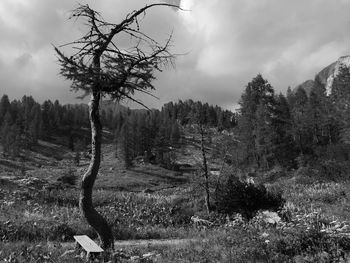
[{"x": 34, "y": 223}]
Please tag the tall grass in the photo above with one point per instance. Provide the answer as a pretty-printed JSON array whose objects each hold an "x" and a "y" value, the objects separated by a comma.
[{"x": 33, "y": 223}]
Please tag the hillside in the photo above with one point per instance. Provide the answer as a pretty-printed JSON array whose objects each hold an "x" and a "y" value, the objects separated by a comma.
[
  {"x": 326, "y": 76},
  {"x": 49, "y": 161},
  {"x": 150, "y": 202},
  {"x": 274, "y": 184}
]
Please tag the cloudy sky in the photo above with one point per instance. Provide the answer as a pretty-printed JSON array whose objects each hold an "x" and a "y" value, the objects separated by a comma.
[{"x": 225, "y": 44}]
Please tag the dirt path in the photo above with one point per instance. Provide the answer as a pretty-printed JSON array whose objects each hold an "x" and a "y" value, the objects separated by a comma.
[{"x": 149, "y": 242}]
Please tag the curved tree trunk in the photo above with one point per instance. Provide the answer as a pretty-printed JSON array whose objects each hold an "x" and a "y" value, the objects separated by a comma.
[
  {"x": 85, "y": 201},
  {"x": 206, "y": 172}
]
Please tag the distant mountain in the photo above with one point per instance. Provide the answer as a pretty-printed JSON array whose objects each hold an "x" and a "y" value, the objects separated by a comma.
[
  {"x": 307, "y": 86},
  {"x": 116, "y": 107},
  {"x": 113, "y": 106},
  {"x": 326, "y": 76}
]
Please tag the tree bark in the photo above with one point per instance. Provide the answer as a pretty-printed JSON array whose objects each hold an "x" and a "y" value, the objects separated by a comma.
[
  {"x": 94, "y": 219},
  {"x": 120, "y": 81},
  {"x": 206, "y": 173}
]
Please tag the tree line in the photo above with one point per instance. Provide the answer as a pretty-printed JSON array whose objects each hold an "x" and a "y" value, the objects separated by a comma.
[
  {"x": 154, "y": 133},
  {"x": 23, "y": 122},
  {"x": 147, "y": 133},
  {"x": 297, "y": 129}
]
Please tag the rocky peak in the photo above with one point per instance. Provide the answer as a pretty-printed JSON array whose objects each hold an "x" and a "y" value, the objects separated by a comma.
[
  {"x": 327, "y": 75},
  {"x": 306, "y": 85}
]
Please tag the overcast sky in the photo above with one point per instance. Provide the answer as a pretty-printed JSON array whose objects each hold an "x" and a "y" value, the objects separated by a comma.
[{"x": 226, "y": 42}]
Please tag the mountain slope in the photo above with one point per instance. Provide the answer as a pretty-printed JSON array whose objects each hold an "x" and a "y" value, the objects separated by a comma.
[
  {"x": 306, "y": 85},
  {"x": 326, "y": 76}
]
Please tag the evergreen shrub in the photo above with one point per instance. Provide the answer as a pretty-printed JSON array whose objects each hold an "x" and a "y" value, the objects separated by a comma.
[{"x": 246, "y": 198}]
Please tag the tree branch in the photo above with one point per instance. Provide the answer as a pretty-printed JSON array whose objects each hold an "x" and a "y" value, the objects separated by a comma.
[{"x": 121, "y": 72}]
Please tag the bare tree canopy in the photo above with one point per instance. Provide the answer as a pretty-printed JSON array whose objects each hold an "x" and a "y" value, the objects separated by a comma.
[
  {"x": 100, "y": 68},
  {"x": 120, "y": 72}
]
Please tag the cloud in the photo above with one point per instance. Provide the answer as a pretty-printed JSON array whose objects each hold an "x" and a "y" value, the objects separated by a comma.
[
  {"x": 287, "y": 41},
  {"x": 225, "y": 43},
  {"x": 23, "y": 60}
]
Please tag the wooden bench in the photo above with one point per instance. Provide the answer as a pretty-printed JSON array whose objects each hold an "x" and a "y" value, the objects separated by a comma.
[{"x": 91, "y": 248}]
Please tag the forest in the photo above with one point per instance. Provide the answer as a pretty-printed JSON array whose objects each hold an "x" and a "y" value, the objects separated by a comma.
[
  {"x": 275, "y": 155},
  {"x": 294, "y": 130},
  {"x": 136, "y": 132},
  {"x": 188, "y": 182}
]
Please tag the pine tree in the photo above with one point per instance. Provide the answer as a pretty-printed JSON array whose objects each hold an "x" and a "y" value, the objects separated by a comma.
[
  {"x": 57, "y": 115},
  {"x": 175, "y": 135},
  {"x": 264, "y": 136},
  {"x": 47, "y": 118},
  {"x": 283, "y": 145},
  {"x": 10, "y": 137},
  {"x": 5, "y": 131},
  {"x": 290, "y": 97},
  {"x": 301, "y": 126},
  {"x": 258, "y": 93},
  {"x": 340, "y": 100},
  {"x": 126, "y": 145},
  {"x": 4, "y": 107},
  {"x": 35, "y": 124}
]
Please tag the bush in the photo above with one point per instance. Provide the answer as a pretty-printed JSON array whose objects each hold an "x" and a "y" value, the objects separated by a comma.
[
  {"x": 32, "y": 231},
  {"x": 305, "y": 175},
  {"x": 69, "y": 178},
  {"x": 322, "y": 171},
  {"x": 62, "y": 232},
  {"x": 246, "y": 198},
  {"x": 309, "y": 246},
  {"x": 274, "y": 174},
  {"x": 332, "y": 170}
]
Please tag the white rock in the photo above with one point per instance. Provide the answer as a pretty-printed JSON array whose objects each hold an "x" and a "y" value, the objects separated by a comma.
[
  {"x": 271, "y": 217},
  {"x": 67, "y": 253},
  {"x": 135, "y": 258},
  {"x": 148, "y": 255}
]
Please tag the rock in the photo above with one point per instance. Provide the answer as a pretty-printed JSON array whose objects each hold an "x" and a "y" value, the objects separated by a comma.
[
  {"x": 82, "y": 254},
  {"x": 67, "y": 253},
  {"x": 326, "y": 76},
  {"x": 148, "y": 191},
  {"x": 135, "y": 258},
  {"x": 148, "y": 255},
  {"x": 271, "y": 217},
  {"x": 200, "y": 222},
  {"x": 307, "y": 86},
  {"x": 264, "y": 235},
  {"x": 120, "y": 254}
]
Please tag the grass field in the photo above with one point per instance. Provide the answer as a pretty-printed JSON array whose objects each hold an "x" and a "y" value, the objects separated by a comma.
[{"x": 37, "y": 222}]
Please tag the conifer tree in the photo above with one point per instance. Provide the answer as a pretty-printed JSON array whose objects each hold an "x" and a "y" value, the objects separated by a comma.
[
  {"x": 126, "y": 146},
  {"x": 101, "y": 68},
  {"x": 301, "y": 126},
  {"x": 340, "y": 100},
  {"x": 264, "y": 136},
  {"x": 4, "y": 107},
  {"x": 284, "y": 146},
  {"x": 10, "y": 137},
  {"x": 258, "y": 94},
  {"x": 175, "y": 135}
]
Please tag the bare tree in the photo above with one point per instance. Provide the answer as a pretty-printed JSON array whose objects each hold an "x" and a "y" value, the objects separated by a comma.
[
  {"x": 205, "y": 168},
  {"x": 100, "y": 68},
  {"x": 198, "y": 118}
]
